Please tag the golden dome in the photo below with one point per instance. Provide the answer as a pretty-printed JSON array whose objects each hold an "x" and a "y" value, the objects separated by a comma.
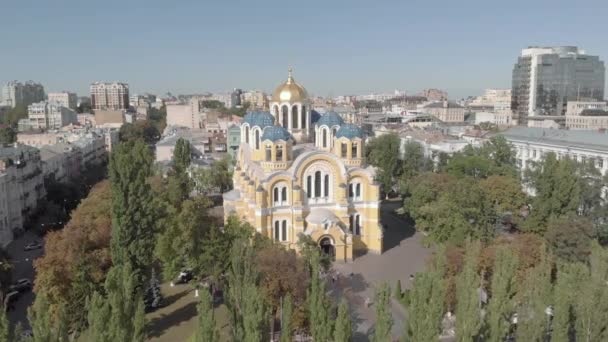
[{"x": 289, "y": 91}]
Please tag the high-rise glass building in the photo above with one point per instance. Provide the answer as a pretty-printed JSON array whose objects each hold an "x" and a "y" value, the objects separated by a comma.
[{"x": 546, "y": 78}]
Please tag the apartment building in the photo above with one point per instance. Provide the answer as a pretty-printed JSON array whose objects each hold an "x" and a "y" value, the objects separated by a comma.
[
  {"x": 109, "y": 96},
  {"x": 65, "y": 99},
  {"x": 50, "y": 115}
]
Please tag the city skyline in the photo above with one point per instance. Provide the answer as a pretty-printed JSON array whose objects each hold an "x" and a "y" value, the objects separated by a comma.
[{"x": 336, "y": 49}]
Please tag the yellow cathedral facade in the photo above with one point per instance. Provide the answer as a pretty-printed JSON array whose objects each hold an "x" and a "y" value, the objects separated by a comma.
[{"x": 296, "y": 174}]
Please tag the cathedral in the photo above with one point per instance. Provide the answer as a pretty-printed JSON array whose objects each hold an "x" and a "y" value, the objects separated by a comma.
[{"x": 298, "y": 174}]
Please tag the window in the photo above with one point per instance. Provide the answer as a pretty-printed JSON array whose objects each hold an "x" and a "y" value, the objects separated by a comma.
[
  {"x": 326, "y": 186},
  {"x": 304, "y": 121},
  {"x": 354, "y": 221},
  {"x": 279, "y": 153},
  {"x": 324, "y": 137},
  {"x": 358, "y": 191},
  {"x": 268, "y": 153},
  {"x": 600, "y": 163},
  {"x": 284, "y": 194},
  {"x": 275, "y": 195},
  {"x": 279, "y": 195},
  {"x": 284, "y": 231},
  {"x": 294, "y": 116},
  {"x": 276, "y": 230},
  {"x": 309, "y": 186},
  {"x": 318, "y": 184},
  {"x": 284, "y": 116},
  {"x": 344, "y": 148},
  {"x": 354, "y": 150},
  {"x": 257, "y": 139},
  {"x": 351, "y": 193}
]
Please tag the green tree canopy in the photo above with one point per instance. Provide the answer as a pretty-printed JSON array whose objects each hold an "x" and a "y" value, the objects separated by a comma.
[
  {"x": 8, "y": 135},
  {"x": 383, "y": 152}
]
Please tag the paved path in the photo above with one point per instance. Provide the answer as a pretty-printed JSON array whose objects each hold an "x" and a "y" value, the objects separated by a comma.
[{"x": 403, "y": 255}]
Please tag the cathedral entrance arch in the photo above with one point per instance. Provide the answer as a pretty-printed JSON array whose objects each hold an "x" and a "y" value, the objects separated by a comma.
[{"x": 326, "y": 243}]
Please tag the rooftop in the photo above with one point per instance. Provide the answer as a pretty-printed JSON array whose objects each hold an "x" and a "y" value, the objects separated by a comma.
[
  {"x": 443, "y": 104},
  {"x": 576, "y": 138}
]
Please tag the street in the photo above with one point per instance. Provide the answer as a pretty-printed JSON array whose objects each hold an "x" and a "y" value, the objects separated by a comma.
[{"x": 23, "y": 268}]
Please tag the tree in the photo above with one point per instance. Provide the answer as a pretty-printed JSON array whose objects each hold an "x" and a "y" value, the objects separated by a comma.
[
  {"x": 505, "y": 194},
  {"x": 495, "y": 157},
  {"x": 133, "y": 208},
  {"x": 206, "y": 330},
  {"x": 77, "y": 258},
  {"x": 140, "y": 130},
  {"x": 4, "y": 326},
  {"x": 344, "y": 329},
  {"x": 120, "y": 315},
  {"x": 383, "y": 152},
  {"x": 468, "y": 303},
  {"x": 591, "y": 304},
  {"x": 384, "y": 317},
  {"x": 535, "y": 297},
  {"x": 153, "y": 297},
  {"x": 426, "y": 301},
  {"x": 44, "y": 327},
  {"x": 570, "y": 238},
  {"x": 318, "y": 303},
  {"x": 216, "y": 178},
  {"x": 414, "y": 163},
  {"x": 7, "y": 135},
  {"x": 558, "y": 191},
  {"x": 501, "y": 306},
  {"x": 182, "y": 155},
  {"x": 564, "y": 296},
  {"x": 287, "y": 320},
  {"x": 13, "y": 115}
]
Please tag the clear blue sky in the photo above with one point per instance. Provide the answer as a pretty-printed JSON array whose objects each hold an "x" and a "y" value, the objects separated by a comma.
[{"x": 335, "y": 47}]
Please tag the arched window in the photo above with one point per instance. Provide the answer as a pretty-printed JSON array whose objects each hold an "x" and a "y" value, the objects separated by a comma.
[
  {"x": 344, "y": 149},
  {"x": 277, "y": 230},
  {"x": 284, "y": 231},
  {"x": 279, "y": 153},
  {"x": 284, "y": 194},
  {"x": 324, "y": 137},
  {"x": 326, "y": 186},
  {"x": 354, "y": 150},
  {"x": 257, "y": 139},
  {"x": 351, "y": 193},
  {"x": 284, "y": 116},
  {"x": 294, "y": 116},
  {"x": 275, "y": 195},
  {"x": 247, "y": 134},
  {"x": 303, "y": 122},
  {"x": 318, "y": 184},
  {"x": 309, "y": 186},
  {"x": 268, "y": 153},
  {"x": 358, "y": 191}
]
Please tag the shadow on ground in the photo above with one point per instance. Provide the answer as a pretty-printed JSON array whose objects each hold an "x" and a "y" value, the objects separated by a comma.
[
  {"x": 395, "y": 233},
  {"x": 157, "y": 326}
]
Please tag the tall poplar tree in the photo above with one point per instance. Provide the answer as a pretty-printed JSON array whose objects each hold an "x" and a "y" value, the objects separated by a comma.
[
  {"x": 384, "y": 316},
  {"x": 205, "y": 330},
  {"x": 287, "y": 319},
  {"x": 468, "y": 306},
  {"x": 321, "y": 324},
  {"x": 133, "y": 208},
  {"x": 344, "y": 330},
  {"x": 535, "y": 294},
  {"x": 501, "y": 306},
  {"x": 4, "y": 327},
  {"x": 591, "y": 305},
  {"x": 565, "y": 293},
  {"x": 426, "y": 302}
]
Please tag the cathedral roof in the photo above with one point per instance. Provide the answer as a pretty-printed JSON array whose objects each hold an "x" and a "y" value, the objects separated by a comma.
[
  {"x": 349, "y": 131},
  {"x": 260, "y": 119},
  {"x": 275, "y": 133},
  {"x": 330, "y": 119},
  {"x": 290, "y": 91}
]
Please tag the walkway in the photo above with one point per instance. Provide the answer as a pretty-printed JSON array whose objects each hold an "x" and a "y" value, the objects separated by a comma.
[{"x": 404, "y": 255}]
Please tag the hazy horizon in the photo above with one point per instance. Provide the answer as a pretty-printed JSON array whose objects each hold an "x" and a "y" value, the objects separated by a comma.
[{"x": 337, "y": 48}]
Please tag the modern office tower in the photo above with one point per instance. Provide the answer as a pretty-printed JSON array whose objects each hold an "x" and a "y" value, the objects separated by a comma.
[
  {"x": 110, "y": 96},
  {"x": 65, "y": 99},
  {"x": 546, "y": 78},
  {"x": 15, "y": 93}
]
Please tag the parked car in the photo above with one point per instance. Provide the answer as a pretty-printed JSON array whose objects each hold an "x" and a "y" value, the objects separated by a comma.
[
  {"x": 10, "y": 299},
  {"x": 32, "y": 245},
  {"x": 21, "y": 285},
  {"x": 184, "y": 277}
]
